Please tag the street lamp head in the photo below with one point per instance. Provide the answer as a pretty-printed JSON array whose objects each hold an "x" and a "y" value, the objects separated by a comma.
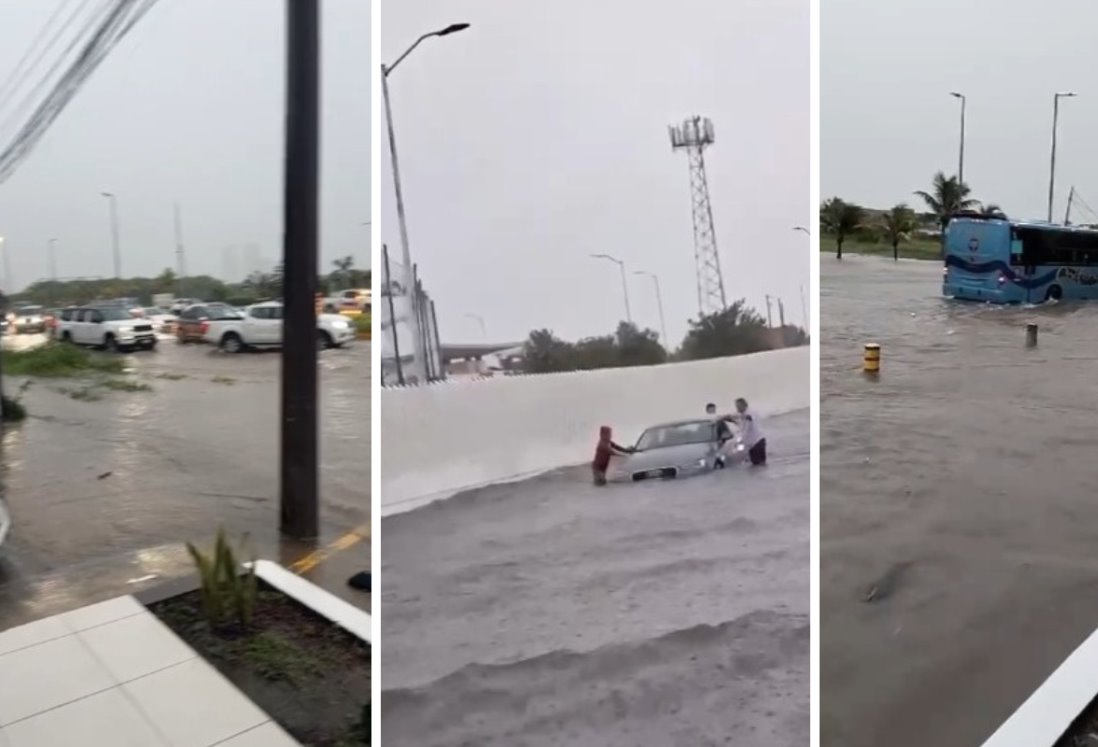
[
  {"x": 956, "y": 95},
  {"x": 1067, "y": 94},
  {"x": 453, "y": 28},
  {"x": 106, "y": 194}
]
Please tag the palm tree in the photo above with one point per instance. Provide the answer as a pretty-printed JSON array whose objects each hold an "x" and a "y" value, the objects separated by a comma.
[
  {"x": 840, "y": 219},
  {"x": 897, "y": 224},
  {"x": 948, "y": 198},
  {"x": 991, "y": 210}
]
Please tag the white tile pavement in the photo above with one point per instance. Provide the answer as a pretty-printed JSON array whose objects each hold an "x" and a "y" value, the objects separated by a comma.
[{"x": 112, "y": 675}]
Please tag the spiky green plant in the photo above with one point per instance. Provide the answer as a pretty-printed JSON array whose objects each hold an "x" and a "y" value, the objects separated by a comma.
[{"x": 227, "y": 594}]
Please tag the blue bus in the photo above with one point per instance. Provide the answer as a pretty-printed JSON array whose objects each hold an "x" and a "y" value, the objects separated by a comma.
[{"x": 997, "y": 260}]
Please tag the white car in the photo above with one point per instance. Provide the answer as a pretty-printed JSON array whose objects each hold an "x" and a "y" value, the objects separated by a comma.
[
  {"x": 109, "y": 327},
  {"x": 261, "y": 327},
  {"x": 29, "y": 320},
  {"x": 162, "y": 321}
]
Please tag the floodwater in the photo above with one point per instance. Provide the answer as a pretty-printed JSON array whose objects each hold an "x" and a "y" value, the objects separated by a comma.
[
  {"x": 104, "y": 493},
  {"x": 551, "y": 612},
  {"x": 958, "y": 496}
]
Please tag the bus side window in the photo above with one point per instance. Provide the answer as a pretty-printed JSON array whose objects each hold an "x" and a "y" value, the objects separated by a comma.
[{"x": 1015, "y": 247}]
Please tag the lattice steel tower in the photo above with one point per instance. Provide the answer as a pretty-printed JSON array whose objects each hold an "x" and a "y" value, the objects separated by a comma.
[{"x": 693, "y": 136}]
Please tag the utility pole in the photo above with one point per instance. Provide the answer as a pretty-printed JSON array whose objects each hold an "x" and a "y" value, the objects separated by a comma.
[
  {"x": 179, "y": 258},
  {"x": 768, "y": 322},
  {"x": 1067, "y": 213},
  {"x": 781, "y": 314},
  {"x": 300, "y": 512}
]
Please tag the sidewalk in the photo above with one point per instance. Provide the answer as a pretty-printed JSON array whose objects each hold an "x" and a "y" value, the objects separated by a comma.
[{"x": 112, "y": 675}]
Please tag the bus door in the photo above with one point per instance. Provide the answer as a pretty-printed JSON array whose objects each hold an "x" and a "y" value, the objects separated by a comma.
[{"x": 1020, "y": 263}]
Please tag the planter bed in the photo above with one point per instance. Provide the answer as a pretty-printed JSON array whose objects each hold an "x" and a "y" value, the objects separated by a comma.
[{"x": 308, "y": 674}]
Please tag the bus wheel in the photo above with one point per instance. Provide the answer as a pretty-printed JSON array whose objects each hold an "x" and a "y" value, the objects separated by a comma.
[{"x": 1054, "y": 293}]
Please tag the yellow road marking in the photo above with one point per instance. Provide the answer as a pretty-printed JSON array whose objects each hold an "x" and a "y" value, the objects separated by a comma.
[{"x": 316, "y": 557}]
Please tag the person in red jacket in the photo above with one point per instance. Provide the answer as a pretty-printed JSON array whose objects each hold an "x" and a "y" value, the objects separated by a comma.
[{"x": 605, "y": 449}]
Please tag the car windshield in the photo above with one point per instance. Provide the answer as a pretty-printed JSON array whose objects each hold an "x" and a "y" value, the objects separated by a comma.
[
  {"x": 30, "y": 310},
  {"x": 114, "y": 314},
  {"x": 679, "y": 434}
]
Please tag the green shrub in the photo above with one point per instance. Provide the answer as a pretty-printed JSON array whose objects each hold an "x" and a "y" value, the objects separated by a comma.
[
  {"x": 58, "y": 359},
  {"x": 362, "y": 323},
  {"x": 227, "y": 594}
]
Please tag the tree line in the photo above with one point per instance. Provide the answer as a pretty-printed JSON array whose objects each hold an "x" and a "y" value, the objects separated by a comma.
[
  {"x": 737, "y": 330},
  {"x": 258, "y": 286},
  {"x": 948, "y": 196}
]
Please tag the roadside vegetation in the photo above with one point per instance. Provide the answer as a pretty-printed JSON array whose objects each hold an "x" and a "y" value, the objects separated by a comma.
[
  {"x": 362, "y": 324},
  {"x": 738, "y": 330},
  {"x": 58, "y": 360},
  {"x": 899, "y": 231},
  {"x": 256, "y": 287}
]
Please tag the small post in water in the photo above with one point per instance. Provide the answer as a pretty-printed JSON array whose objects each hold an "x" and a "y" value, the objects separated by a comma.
[
  {"x": 1031, "y": 335},
  {"x": 872, "y": 363}
]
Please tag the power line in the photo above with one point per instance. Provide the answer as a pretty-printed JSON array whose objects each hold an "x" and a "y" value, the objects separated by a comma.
[{"x": 111, "y": 29}]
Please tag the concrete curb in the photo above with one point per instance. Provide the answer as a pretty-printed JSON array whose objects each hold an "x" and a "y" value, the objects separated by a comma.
[
  {"x": 324, "y": 603},
  {"x": 1048, "y": 713}
]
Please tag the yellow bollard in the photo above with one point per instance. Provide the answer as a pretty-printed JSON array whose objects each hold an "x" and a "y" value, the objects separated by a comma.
[
  {"x": 872, "y": 362},
  {"x": 1031, "y": 335}
]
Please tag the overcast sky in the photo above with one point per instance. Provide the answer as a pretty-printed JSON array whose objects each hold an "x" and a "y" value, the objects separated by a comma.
[
  {"x": 887, "y": 121},
  {"x": 539, "y": 136},
  {"x": 189, "y": 107}
]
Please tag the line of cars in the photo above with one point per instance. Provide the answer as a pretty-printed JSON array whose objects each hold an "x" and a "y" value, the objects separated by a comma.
[{"x": 123, "y": 327}]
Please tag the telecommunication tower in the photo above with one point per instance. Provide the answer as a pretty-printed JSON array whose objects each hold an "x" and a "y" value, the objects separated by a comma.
[{"x": 693, "y": 136}]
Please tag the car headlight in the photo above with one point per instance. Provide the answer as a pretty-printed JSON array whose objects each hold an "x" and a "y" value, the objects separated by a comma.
[
  {"x": 125, "y": 330},
  {"x": 341, "y": 324}
]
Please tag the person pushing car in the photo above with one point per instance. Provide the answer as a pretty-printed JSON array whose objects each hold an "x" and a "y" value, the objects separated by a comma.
[{"x": 750, "y": 433}]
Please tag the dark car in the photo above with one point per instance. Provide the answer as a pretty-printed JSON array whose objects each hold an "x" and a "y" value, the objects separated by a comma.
[{"x": 189, "y": 324}]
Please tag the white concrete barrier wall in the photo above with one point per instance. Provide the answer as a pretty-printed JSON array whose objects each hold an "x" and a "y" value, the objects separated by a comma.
[{"x": 444, "y": 438}]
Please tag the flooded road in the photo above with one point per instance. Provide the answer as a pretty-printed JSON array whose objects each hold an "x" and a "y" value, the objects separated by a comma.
[
  {"x": 551, "y": 612},
  {"x": 103, "y": 493},
  {"x": 957, "y": 496}
]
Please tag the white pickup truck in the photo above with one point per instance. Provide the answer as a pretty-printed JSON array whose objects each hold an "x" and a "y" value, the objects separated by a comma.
[
  {"x": 110, "y": 327},
  {"x": 261, "y": 327}
]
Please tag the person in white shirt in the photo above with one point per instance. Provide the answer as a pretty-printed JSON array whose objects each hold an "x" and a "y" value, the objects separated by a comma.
[{"x": 750, "y": 433}]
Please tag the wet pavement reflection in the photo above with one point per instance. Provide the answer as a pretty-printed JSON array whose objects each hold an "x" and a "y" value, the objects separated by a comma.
[{"x": 104, "y": 493}]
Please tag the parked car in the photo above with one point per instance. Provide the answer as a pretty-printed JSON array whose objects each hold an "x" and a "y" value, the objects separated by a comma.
[
  {"x": 109, "y": 327},
  {"x": 189, "y": 323},
  {"x": 679, "y": 449},
  {"x": 261, "y": 327},
  {"x": 354, "y": 300},
  {"x": 181, "y": 303},
  {"x": 162, "y": 321},
  {"x": 29, "y": 320}
]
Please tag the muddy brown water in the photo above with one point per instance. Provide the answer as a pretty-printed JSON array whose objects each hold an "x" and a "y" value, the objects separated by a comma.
[
  {"x": 960, "y": 484},
  {"x": 551, "y": 612},
  {"x": 183, "y": 459}
]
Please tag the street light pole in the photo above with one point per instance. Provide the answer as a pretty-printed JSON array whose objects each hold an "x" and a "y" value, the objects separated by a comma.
[
  {"x": 419, "y": 361},
  {"x": 961, "y": 159},
  {"x": 659, "y": 303},
  {"x": 624, "y": 284},
  {"x": 114, "y": 233},
  {"x": 1052, "y": 166},
  {"x": 299, "y": 502}
]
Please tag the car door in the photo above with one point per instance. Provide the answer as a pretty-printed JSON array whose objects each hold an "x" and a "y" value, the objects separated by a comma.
[{"x": 276, "y": 325}]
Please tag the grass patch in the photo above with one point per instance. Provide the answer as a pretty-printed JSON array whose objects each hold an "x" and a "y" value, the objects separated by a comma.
[
  {"x": 362, "y": 323},
  {"x": 274, "y": 657},
  {"x": 125, "y": 385},
  {"x": 915, "y": 249},
  {"x": 223, "y": 380},
  {"x": 58, "y": 360}
]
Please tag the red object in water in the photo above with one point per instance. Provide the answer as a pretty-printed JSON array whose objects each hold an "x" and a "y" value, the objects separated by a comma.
[{"x": 603, "y": 450}]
